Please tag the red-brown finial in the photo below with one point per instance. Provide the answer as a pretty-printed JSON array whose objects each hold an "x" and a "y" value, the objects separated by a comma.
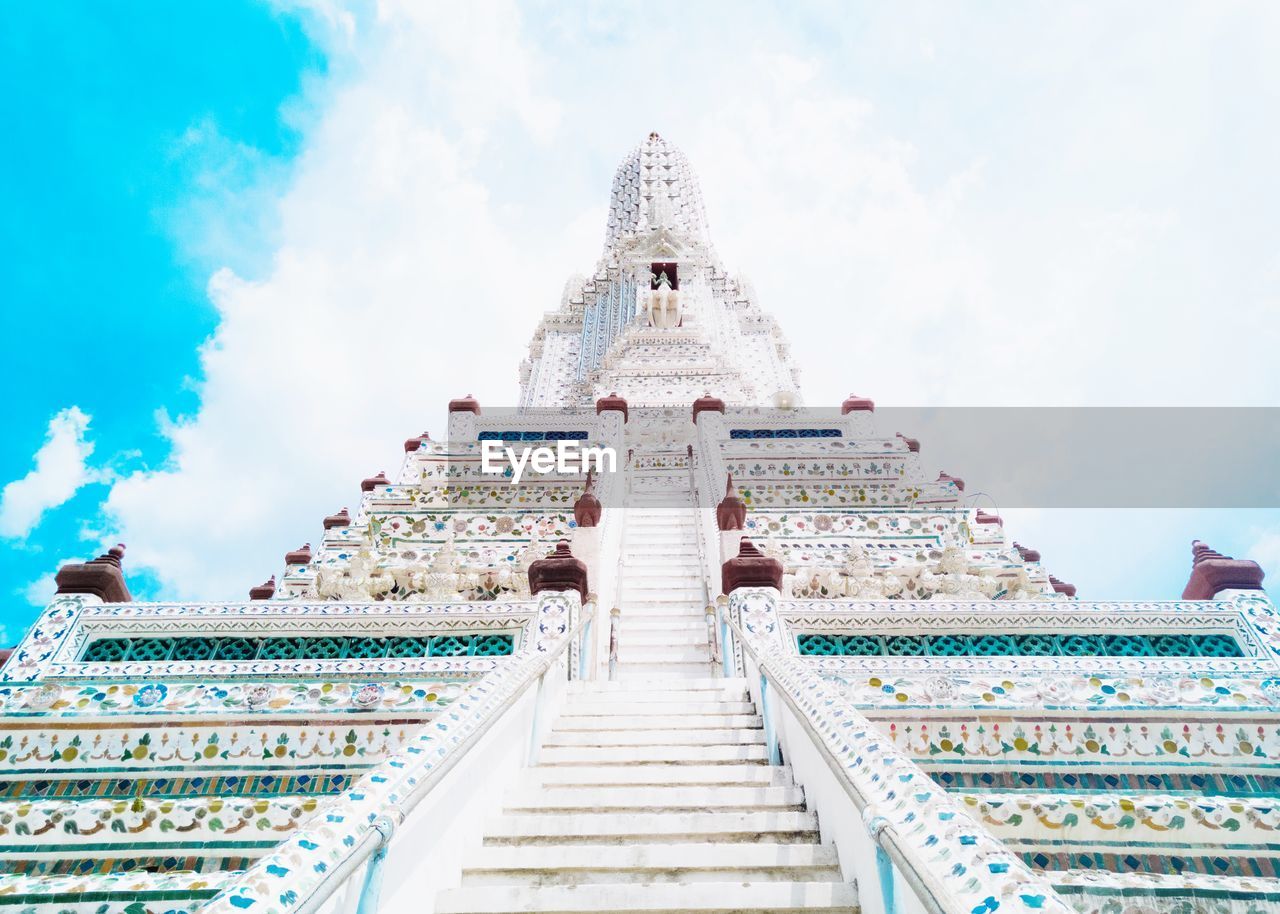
[
  {"x": 612, "y": 402},
  {"x": 750, "y": 568},
  {"x": 341, "y": 519},
  {"x": 731, "y": 513},
  {"x": 559, "y": 571},
  {"x": 300, "y": 556},
  {"x": 102, "y": 577},
  {"x": 854, "y": 403},
  {"x": 707, "y": 404},
  {"x": 412, "y": 444},
  {"x": 1212, "y": 572},
  {"x": 587, "y": 510},
  {"x": 467, "y": 404},
  {"x": 264, "y": 591}
]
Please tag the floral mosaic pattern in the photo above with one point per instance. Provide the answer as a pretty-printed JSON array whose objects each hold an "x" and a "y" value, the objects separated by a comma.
[
  {"x": 830, "y": 495},
  {"x": 53, "y": 823},
  {"x": 1161, "y": 818},
  {"x": 114, "y": 893},
  {"x": 244, "y": 698},
  {"x": 1093, "y": 892},
  {"x": 214, "y": 746},
  {"x": 1056, "y": 688},
  {"x": 1091, "y": 740}
]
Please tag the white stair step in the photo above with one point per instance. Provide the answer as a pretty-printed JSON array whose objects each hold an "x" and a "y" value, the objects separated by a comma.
[
  {"x": 659, "y": 775},
  {"x": 737, "y": 685},
  {"x": 783, "y": 826},
  {"x": 664, "y": 721},
  {"x": 636, "y": 587},
  {"x": 659, "y": 550},
  {"x": 647, "y": 609},
  {"x": 702, "y": 898},
  {"x": 629, "y": 652},
  {"x": 676, "y": 623},
  {"x": 659, "y": 594},
  {"x": 674, "y": 671},
  {"x": 648, "y": 691},
  {"x": 655, "y": 708},
  {"x": 650, "y": 755},
  {"x": 587, "y": 864},
  {"x": 656, "y": 737},
  {"x": 653, "y": 799},
  {"x": 668, "y": 639}
]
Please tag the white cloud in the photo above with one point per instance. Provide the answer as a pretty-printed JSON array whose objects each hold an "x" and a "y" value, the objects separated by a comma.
[
  {"x": 60, "y": 471},
  {"x": 392, "y": 290},
  {"x": 1266, "y": 552},
  {"x": 38, "y": 593}
]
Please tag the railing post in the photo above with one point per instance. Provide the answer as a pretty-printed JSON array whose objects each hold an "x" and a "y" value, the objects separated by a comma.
[
  {"x": 713, "y": 646},
  {"x": 535, "y": 727},
  {"x": 614, "y": 615},
  {"x": 586, "y": 647},
  {"x": 726, "y": 637},
  {"x": 884, "y": 868},
  {"x": 770, "y": 725},
  {"x": 372, "y": 886}
]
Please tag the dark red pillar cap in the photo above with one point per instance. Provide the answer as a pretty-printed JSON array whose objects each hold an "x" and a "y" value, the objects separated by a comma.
[
  {"x": 412, "y": 444},
  {"x": 264, "y": 591},
  {"x": 913, "y": 444},
  {"x": 102, "y": 577},
  {"x": 1028, "y": 554},
  {"x": 1062, "y": 586},
  {"x": 1212, "y": 572},
  {"x": 954, "y": 480},
  {"x": 612, "y": 402},
  {"x": 750, "y": 568},
  {"x": 372, "y": 482},
  {"x": 854, "y": 403},
  {"x": 559, "y": 571},
  {"x": 467, "y": 404},
  {"x": 301, "y": 556},
  {"x": 707, "y": 404},
  {"x": 341, "y": 519}
]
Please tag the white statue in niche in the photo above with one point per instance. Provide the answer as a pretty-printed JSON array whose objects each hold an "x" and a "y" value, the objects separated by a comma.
[{"x": 663, "y": 307}]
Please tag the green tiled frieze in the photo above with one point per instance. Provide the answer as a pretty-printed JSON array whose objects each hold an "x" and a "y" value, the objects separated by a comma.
[
  {"x": 324, "y": 647},
  {"x": 993, "y": 644},
  {"x": 231, "y": 785},
  {"x": 1067, "y": 780},
  {"x": 102, "y": 865}
]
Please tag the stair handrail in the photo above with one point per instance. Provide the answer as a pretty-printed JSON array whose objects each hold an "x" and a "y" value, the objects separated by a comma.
[
  {"x": 383, "y": 797},
  {"x": 699, "y": 534},
  {"x": 981, "y": 876}
]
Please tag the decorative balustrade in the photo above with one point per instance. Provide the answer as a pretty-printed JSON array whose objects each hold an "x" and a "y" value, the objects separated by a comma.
[
  {"x": 363, "y": 635},
  {"x": 954, "y": 865},
  {"x": 302, "y": 873}
]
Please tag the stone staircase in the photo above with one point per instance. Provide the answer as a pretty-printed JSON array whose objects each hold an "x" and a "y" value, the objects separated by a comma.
[
  {"x": 653, "y": 796},
  {"x": 663, "y": 632}
]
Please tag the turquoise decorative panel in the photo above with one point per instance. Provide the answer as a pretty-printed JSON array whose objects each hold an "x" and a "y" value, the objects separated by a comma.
[
  {"x": 986, "y": 644},
  {"x": 110, "y": 650}
]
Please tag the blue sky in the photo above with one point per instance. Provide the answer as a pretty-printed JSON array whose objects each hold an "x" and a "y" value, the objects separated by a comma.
[{"x": 243, "y": 242}]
